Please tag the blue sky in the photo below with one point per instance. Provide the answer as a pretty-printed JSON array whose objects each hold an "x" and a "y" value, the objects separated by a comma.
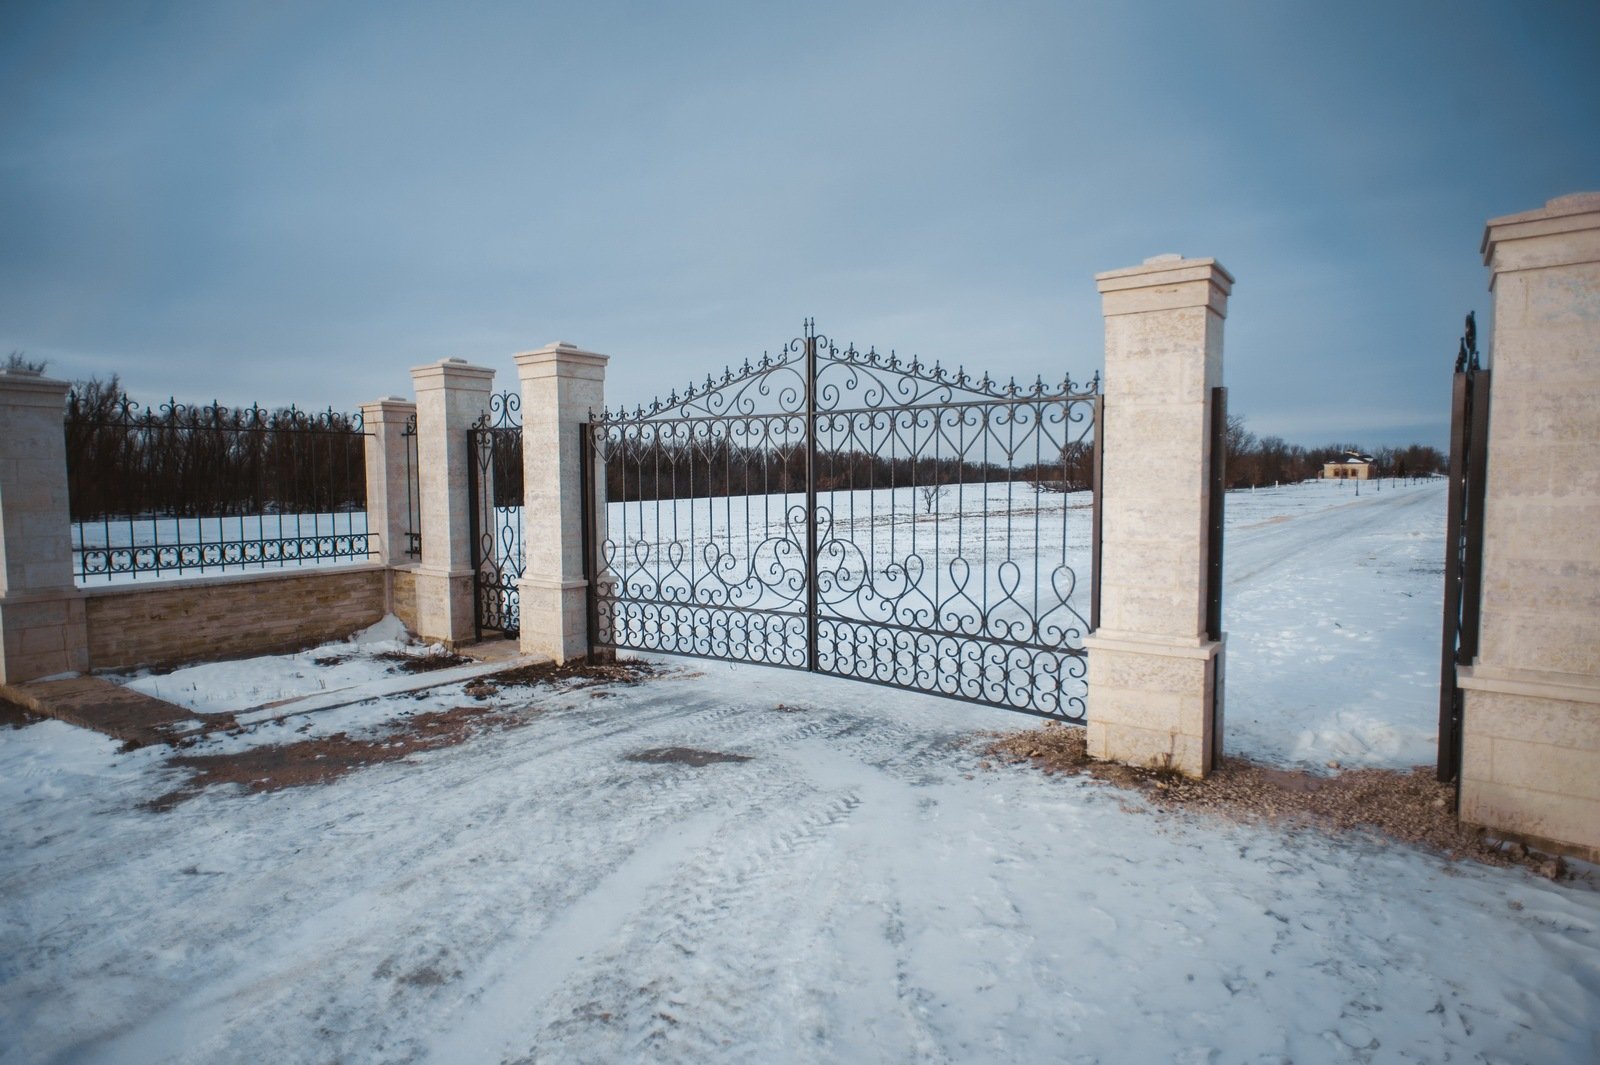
[{"x": 298, "y": 202}]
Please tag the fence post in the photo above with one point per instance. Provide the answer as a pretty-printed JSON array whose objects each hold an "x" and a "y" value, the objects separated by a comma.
[
  {"x": 560, "y": 386},
  {"x": 42, "y": 626},
  {"x": 451, "y": 394},
  {"x": 387, "y": 514},
  {"x": 1531, "y": 717},
  {"x": 1154, "y": 670}
]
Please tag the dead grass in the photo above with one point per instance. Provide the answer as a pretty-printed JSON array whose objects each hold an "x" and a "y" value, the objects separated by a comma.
[
  {"x": 1409, "y": 806},
  {"x": 577, "y": 674},
  {"x": 423, "y": 663}
]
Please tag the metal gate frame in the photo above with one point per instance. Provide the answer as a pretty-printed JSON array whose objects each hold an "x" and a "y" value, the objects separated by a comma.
[
  {"x": 1463, "y": 561},
  {"x": 494, "y": 480},
  {"x": 994, "y": 658}
]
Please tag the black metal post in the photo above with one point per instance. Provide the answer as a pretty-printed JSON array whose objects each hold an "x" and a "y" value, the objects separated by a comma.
[
  {"x": 591, "y": 563},
  {"x": 1097, "y": 511},
  {"x": 1216, "y": 508},
  {"x": 473, "y": 530},
  {"x": 1477, "y": 476},
  {"x": 1449, "y": 721},
  {"x": 1217, "y": 498},
  {"x": 811, "y": 495}
]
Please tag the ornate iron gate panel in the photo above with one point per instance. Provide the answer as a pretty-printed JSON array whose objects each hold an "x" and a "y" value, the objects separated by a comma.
[
  {"x": 1463, "y": 545},
  {"x": 850, "y": 513},
  {"x": 494, "y": 504}
]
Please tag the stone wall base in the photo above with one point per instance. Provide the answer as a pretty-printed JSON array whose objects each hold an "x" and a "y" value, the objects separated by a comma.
[
  {"x": 403, "y": 595},
  {"x": 1530, "y": 758},
  {"x": 42, "y": 634},
  {"x": 555, "y": 618},
  {"x": 1153, "y": 701},
  {"x": 444, "y": 609},
  {"x": 171, "y": 623}
]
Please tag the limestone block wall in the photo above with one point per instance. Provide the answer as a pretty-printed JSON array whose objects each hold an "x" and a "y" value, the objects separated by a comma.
[
  {"x": 561, "y": 384},
  {"x": 1531, "y": 714},
  {"x": 41, "y": 621},
  {"x": 403, "y": 595},
  {"x": 175, "y": 622},
  {"x": 1154, "y": 670}
]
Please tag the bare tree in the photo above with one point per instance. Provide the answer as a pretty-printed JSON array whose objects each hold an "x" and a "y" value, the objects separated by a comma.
[
  {"x": 15, "y": 361},
  {"x": 931, "y": 494}
]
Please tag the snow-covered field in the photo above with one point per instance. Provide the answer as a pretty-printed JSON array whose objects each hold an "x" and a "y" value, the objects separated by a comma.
[{"x": 860, "y": 889}]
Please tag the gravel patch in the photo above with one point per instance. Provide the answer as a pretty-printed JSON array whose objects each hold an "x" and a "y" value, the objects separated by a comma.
[{"x": 1408, "y": 806}]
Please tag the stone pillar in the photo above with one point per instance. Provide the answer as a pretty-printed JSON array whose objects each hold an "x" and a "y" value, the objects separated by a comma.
[
  {"x": 1531, "y": 717},
  {"x": 451, "y": 395},
  {"x": 560, "y": 386},
  {"x": 1154, "y": 673},
  {"x": 42, "y": 628},
  {"x": 387, "y": 513}
]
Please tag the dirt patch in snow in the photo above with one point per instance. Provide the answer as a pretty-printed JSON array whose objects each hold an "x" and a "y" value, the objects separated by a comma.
[
  {"x": 318, "y": 761},
  {"x": 577, "y": 674},
  {"x": 1409, "y": 806},
  {"x": 15, "y": 715},
  {"x": 423, "y": 663},
  {"x": 684, "y": 756}
]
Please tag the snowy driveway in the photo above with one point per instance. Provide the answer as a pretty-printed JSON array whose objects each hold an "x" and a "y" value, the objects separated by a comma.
[{"x": 859, "y": 890}]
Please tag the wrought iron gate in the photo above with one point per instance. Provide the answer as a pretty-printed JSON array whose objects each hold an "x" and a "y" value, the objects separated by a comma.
[
  {"x": 850, "y": 513},
  {"x": 494, "y": 506},
  {"x": 1463, "y": 545}
]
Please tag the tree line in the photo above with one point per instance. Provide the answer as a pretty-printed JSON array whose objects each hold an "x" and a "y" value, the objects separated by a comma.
[
  {"x": 1255, "y": 461},
  {"x": 662, "y": 469},
  {"x": 193, "y": 461}
]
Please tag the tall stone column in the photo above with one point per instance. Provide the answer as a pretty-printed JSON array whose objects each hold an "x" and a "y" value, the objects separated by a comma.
[
  {"x": 1531, "y": 716},
  {"x": 560, "y": 386},
  {"x": 387, "y": 512},
  {"x": 1154, "y": 671},
  {"x": 451, "y": 395},
  {"x": 42, "y": 627}
]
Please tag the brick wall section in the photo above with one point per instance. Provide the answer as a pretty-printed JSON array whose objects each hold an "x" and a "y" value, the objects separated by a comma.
[
  {"x": 403, "y": 596},
  {"x": 172, "y": 623}
]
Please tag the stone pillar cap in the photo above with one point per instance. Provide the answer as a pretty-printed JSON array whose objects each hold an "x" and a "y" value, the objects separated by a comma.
[
  {"x": 1572, "y": 203},
  {"x": 560, "y": 350},
  {"x": 32, "y": 382},
  {"x": 451, "y": 366},
  {"x": 1167, "y": 269},
  {"x": 1573, "y": 213}
]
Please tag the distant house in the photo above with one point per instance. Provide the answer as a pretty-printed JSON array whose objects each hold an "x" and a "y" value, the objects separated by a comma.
[{"x": 1354, "y": 466}]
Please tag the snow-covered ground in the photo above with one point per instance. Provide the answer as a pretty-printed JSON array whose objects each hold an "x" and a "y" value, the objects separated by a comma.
[
  {"x": 860, "y": 889},
  {"x": 1331, "y": 604}
]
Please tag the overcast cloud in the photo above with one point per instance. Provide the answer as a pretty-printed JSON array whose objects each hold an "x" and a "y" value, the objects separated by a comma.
[{"x": 299, "y": 202}]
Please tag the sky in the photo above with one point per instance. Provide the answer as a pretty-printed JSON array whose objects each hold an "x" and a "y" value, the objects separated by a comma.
[{"x": 298, "y": 202}]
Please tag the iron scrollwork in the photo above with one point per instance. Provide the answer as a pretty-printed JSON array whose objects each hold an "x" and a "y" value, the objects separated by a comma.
[
  {"x": 856, "y": 514},
  {"x": 495, "y": 501}
]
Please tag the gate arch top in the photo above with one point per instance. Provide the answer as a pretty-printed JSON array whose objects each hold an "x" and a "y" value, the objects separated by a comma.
[{"x": 811, "y": 369}]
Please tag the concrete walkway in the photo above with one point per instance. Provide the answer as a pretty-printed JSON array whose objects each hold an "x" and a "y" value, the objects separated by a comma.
[
  {"x": 99, "y": 704},
  {"x": 140, "y": 720}
]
